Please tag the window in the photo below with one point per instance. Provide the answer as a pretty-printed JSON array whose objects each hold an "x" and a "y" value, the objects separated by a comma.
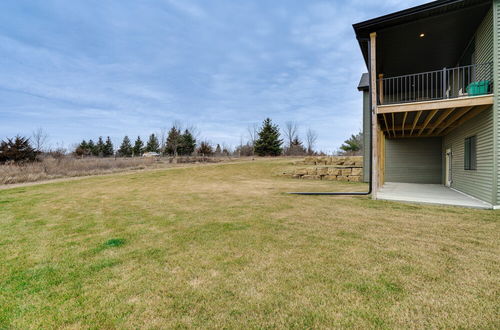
[{"x": 470, "y": 153}]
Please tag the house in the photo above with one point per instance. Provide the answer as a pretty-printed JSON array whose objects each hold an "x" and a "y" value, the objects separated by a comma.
[{"x": 431, "y": 103}]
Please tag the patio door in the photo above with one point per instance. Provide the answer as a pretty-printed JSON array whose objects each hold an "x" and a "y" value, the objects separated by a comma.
[{"x": 448, "y": 176}]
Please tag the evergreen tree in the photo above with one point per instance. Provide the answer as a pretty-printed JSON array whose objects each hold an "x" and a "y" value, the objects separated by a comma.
[
  {"x": 82, "y": 149},
  {"x": 353, "y": 145},
  {"x": 269, "y": 142},
  {"x": 99, "y": 147},
  {"x": 17, "y": 150},
  {"x": 153, "y": 145},
  {"x": 108, "y": 149},
  {"x": 91, "y": 147},
  {"x": 205, "y": 149},
  {"x": 125, "y": 148},
  {"x": 138, "y": 147},
  {"x": 187, "y": 144},
  {"x": 296, "y": 147},
  {"x": 218, "y": 150},
  {"x": 173, "y": 141}
]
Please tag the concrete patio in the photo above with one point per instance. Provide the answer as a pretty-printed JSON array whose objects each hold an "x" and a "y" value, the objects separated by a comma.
[{"x": 428, "y": 194}]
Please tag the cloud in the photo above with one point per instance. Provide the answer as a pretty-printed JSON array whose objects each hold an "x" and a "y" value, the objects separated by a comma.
[{"x": 84, "y": 69}]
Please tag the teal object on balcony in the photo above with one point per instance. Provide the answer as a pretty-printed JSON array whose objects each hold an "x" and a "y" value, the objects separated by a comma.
[{"x": 478, "y": 88}]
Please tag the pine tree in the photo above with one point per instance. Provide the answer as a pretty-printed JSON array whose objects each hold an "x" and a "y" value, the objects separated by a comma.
[
  {"x": 82, "y": 149},
  {"x": 297, "y": 147},
  {"x": 353, "y": 145},
  {"x": 91, "y": 147},
  {"x": 187, "y": 144},
  {"x": 269, "y": 142},
  {"x": 108, "y": 149},
  {"x": 173, "y": 141},
  {"x": 99, "y": 147},
  {"x": 153, "y": 145},
  {"x": 138, "y": 147},
  {"x": 17, "y": 150},
  {"x": 218, "y": 150},
  {"x": 125, "y": 148}
]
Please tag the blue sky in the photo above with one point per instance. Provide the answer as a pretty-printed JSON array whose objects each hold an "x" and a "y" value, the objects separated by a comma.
[{"x": 80, "y": 69}]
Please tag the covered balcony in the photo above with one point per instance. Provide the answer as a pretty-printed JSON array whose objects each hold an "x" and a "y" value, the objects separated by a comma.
[{"x": 433, "y": 103}]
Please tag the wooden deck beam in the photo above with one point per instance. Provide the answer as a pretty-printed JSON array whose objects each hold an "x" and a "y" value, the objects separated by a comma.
[
  {"x": 440, "y": 119},
  {"x": 471, "y": 114},
  {"x": 415, "y": 121},
  {"x": 427, "y": 121},
  {"x": 403, "y": 124},
  {"x": 460, "y": 102},
  {"x": 387, "y": 129},
  {"x": 457, "y": 115}
]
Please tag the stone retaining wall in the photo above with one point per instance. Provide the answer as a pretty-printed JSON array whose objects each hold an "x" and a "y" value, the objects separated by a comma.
[{"x": 329, "y": 168}]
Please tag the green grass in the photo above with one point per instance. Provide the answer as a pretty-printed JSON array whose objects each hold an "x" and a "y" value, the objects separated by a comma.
[{"x": 224, "y": 246}]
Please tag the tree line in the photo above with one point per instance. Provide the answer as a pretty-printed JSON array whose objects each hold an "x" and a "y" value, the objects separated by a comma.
[{"x": 266, "y": 140}]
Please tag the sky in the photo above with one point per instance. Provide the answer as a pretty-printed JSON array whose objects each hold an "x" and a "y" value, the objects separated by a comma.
[{"x": 83, "y": 69}]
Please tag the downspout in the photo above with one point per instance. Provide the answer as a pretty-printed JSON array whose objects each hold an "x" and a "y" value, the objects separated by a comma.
[{"x": 367, "y": 40}]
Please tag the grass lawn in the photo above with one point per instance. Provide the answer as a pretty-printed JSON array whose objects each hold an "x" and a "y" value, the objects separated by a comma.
[{"x": 224, "y": 246}]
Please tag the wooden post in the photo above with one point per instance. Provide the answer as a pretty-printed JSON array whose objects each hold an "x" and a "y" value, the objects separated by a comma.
[
  {"x": 375, "y": 125},
  {"x": 381, "y": 88}
]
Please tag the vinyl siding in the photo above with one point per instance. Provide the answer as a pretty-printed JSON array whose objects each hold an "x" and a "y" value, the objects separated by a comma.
[
  {"x": 413, "y": 160},
  {"x": 496, "y": 90},
  {"x": 477, "y": 183},
  {"x": 484, "y": 40},
  {"x": 366, "y": 136}
]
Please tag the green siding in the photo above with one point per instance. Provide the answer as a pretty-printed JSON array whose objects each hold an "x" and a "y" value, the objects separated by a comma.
[
  {"x": 366, "y": 136},
  {"x": 477, "y": 182},
  {"x": 496, "y": 90},
  {"x": 484, "y": 40},
  {"x": 416, "y": 160}
]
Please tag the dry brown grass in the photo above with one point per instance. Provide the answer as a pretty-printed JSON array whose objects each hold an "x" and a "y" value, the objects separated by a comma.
[
  {"x": 52, "y": 168},
  {"x": 224, "y": 247}
]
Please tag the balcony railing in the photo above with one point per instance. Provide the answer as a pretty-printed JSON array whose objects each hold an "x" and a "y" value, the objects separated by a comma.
[{"x": 463, "y": 81}]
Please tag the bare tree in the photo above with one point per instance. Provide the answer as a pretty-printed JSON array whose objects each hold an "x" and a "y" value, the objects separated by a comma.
[
  {"x": 311, "y": 137},
  {"x": 290, "y": 132},
  {"x": 39, "y": 139},
  {"x": 162, "y": 136},
  {"x": 194, "y": 130},
  {"x": 252, "y": 133}
]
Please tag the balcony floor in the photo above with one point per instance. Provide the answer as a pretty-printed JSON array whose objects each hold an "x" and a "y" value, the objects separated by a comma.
[{"x": 428, "y": 194}]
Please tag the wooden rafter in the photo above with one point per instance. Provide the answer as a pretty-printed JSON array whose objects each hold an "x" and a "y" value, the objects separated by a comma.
[
  {"x": 440, "y": 119},
  {"x": 386, "y": 125},
  {"x": 427, "y": 121},
  {"x": 472, "y": 113},
  {"x": 453, "y": 119},
  {"x": 408, "y": 127},
  {"x": 403, "y": 124},
  {"x": 393, "y": 124},
  {"x": 415, "y": 121}
]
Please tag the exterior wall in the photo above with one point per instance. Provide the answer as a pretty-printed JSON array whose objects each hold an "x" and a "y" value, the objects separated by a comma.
[
  {"x": 366, "y": 136},
  {"x": 480, "y": 183},
  {"x": 477, "y": 183},
  {"x": 484, "y": 40},
  {"x": 496, "y": 106},
  {"x": 417, "y": 160}
]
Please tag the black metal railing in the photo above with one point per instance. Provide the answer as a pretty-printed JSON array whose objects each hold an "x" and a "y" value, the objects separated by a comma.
[{"x": 463, "y": 81}]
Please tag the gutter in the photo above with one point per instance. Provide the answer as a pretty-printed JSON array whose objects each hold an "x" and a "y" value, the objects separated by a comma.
[{"x": 367, "y": 40}]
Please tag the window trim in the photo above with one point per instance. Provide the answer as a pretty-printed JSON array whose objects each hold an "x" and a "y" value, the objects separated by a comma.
[{"x": 470, "y": 153}]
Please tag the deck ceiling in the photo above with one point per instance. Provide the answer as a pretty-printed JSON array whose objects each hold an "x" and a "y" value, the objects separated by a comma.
[
  {"x": 430, "y": 119},
  {"x": 448, "y": 26}
]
